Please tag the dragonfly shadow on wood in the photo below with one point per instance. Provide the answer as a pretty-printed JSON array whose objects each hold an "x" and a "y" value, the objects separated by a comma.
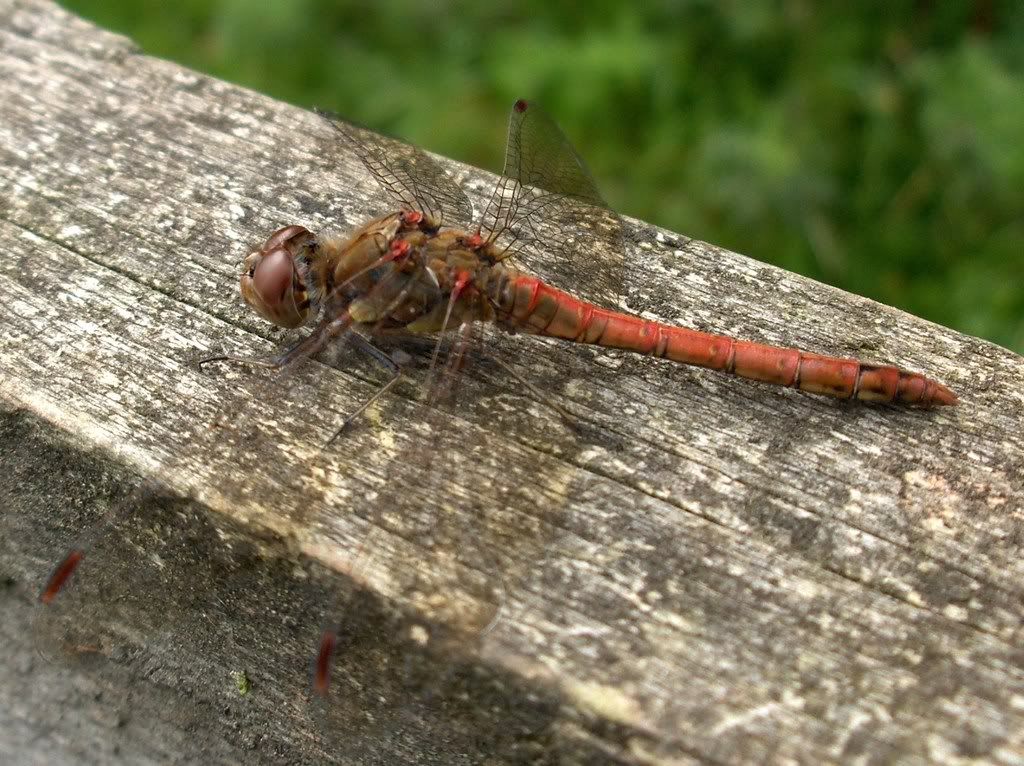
[{"x": 174, "y": 601}]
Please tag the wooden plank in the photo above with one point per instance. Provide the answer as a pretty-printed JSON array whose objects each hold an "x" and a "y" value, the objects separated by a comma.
[{"x": 706, "y": 569}]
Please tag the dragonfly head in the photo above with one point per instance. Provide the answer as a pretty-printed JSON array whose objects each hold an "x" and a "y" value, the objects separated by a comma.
[{"x": 275, "y": 278}]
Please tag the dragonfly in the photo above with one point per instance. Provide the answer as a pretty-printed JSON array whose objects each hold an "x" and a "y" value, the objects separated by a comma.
[
  {"x": 433, "y": 268},
  {"x": 416, "y": 271}
]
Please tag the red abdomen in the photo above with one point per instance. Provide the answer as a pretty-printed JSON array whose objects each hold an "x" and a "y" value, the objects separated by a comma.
[{"x": 530, "y": 305}]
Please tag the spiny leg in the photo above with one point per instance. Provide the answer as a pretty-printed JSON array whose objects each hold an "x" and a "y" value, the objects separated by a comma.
[
  {"x": 462, "y": 281},
  {"x": 384, "y": 360},
  {"x": 570, "y": 419},
  {"x": 305, "y": 347}
]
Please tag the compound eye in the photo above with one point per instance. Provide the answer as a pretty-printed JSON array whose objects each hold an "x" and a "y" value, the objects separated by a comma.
[{"x": 272, "y": 277}]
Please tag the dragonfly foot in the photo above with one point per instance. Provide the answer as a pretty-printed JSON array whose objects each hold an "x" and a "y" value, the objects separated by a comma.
[
  {"x": 342, "y": 428},
  {"x": 247, "y": 360}
]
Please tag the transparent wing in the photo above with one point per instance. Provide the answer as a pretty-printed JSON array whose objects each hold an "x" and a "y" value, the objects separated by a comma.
[
  {"x": 547, "y": 202},
  {"x": 406, "y": 174},
  {"x": 446, "y": 502}
]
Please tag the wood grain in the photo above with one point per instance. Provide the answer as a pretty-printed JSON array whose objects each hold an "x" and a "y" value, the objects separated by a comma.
[{"x": 699, "y": 569}]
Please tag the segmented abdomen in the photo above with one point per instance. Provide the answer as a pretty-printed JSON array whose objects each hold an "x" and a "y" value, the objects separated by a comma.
[{"x": 530, "y": 305}]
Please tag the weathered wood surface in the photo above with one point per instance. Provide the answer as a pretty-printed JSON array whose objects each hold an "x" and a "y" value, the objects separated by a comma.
[{"x": 711, "y": 570}]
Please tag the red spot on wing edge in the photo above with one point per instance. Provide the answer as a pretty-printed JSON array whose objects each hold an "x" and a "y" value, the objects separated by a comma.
[{"x": 521, "y": 106}]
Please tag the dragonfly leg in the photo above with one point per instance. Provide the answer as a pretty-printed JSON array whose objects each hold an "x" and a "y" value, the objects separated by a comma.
[
  {"x": 462, "y": 281},
  {"x": 252, "y": 361},
  {"x": 569, "y": 418},
  {"x": 305, "y": 347},
  {"x": 382, "y": 359}
]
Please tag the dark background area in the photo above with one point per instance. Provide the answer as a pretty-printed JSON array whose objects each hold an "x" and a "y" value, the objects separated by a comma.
[{"x": 876, "y": 146}]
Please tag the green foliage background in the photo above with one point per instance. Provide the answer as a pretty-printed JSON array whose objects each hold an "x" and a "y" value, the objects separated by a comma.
[{"x": 878, "y": 146}]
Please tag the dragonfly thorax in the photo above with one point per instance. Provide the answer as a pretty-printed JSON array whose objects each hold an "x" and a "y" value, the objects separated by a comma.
[{"x": 392, "y": 272}]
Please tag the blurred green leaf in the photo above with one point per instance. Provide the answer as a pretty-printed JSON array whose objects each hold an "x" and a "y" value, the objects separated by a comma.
[{"x": 874, "y": 145}]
